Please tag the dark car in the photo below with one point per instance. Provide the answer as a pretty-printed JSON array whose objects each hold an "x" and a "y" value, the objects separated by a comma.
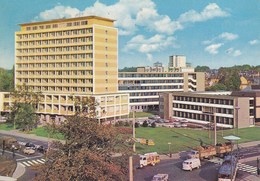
[
  {"x": 30, "y": 145},
  {"x": 42, "y": 149}
]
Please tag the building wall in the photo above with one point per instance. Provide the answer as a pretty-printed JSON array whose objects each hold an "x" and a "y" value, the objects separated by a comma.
[
  {"x": 144, "y": 87},
  {"x": 201, "y": 108},
  {"x": 105, "y": 59},
  {"x": 108, "y": 105},
  {"x": 177, "y": 61},
  {"x": 243, "y": 113},
  {"x": 70, "y": 57},
  {"x": 77, "y": 55}
]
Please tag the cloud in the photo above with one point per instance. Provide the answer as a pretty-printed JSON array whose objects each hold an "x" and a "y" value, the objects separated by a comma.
[
  {"x": 228, "y": 36},
  {"x": 130, "y": 15},
  {"x": 58, "y": 12},
  {"x": 211, "y": 11},
  {"x": 253, "y": 42},
  {"x": 233, "y": 52},
  {"x": 213, "y": 48},
  {"x": 155, "y": 43},
  {"x": 223, "y": 36}
]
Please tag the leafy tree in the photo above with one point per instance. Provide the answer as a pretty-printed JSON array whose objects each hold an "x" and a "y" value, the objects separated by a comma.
[
  {"x": 22, "y": 110},
  {"x": 86, "y": 153},
  {"x": 202, "y": 69},
  {"x": 230, "y": 78},
  {"x": 6, "y": 80},
  {"x": 128, "y": 69},
  {"x": 217, "y": 87}
]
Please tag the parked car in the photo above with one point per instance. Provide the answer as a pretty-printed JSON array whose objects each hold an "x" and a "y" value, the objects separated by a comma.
[
  {"x": 42, "y": 149},
  {"x": 30, "y": 145},
  {"x": 184, "y": 125},
  {"x": 177, "y": 125},
  {"x": 190, "y": 164},
  {"x": 28, "y": 150},
  {"x": 184, "y": 121},
  {"x": 160, "y": 177}
]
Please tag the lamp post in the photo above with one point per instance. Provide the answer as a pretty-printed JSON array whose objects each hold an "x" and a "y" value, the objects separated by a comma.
[
  {"x": 231, "y": 139},
  {"x": 134, "y": 130}
]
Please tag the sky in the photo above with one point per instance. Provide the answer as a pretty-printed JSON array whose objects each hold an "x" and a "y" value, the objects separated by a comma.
[{"x": 211, "y": 33}]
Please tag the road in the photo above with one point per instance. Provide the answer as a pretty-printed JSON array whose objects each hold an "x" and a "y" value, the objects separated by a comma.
[
  {"x": 207, "y": 172},
  {"x": 27, "y": 161}
]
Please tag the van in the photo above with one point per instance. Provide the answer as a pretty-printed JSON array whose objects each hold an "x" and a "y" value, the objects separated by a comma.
[{"x": 190, "y": 164}]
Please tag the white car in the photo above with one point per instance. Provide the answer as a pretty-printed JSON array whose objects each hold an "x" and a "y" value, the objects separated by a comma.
[
  {"x": 160, "y": 177},
  {"x": 190, "y": 164},
  {"x": 28, "y": 150}
]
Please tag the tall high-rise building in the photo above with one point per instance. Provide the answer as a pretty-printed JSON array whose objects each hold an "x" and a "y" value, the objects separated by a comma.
[
  {"x": 68, "y": 58},
  {"x": 177, "y": 61},
  {"x": 77, "y": 55}
]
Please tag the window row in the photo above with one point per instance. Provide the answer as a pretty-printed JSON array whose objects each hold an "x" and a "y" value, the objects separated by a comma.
[
  {"x": 56, "y": 25},
  {"x": 55, "y": 42},
  {"x": 55, "y": 49},
  {"x": 56, "y": 57},
  {"x": 56, "y": 81},
  {"x": 61, "y": 89},
  {"x": 150, "y": 75},
  {"x": 53, "y": 73},
  {"x": 204, "y": 100},
  {"x": 55, "y": 65}
]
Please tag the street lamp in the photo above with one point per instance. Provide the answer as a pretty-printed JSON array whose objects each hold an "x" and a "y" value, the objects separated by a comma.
[
  {"x": 231, "y": 139},
  {"x": 133, "y": 122}
]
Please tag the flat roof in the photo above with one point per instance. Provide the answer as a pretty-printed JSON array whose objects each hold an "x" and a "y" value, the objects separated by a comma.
[{"x": 67, "y": 19}]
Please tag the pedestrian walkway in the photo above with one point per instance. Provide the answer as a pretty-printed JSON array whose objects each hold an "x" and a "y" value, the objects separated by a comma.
[
  {"x": 241, "y": 166},
  {"x": 28, "y": 136},
  {"x": 29, "y": 163}
]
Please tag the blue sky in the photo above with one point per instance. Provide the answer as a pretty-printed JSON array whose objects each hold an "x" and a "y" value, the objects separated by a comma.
[{"x": 213, "y": 33}]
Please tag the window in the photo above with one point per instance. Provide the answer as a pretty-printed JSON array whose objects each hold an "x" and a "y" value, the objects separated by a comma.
[
  {"x": 84, "y": 22},
  {"x": 69, "y": 24},
  {"x": 55, "y": 26},
  {"x": 28, "y": 28},
  {"x": 35, "y": 28},
  {"x": 48, "y": 26}
]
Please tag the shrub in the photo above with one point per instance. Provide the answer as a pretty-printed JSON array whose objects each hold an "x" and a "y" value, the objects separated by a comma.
[
  {"x": 145, "y": 124},
  {"x": 136, "y": 125},
  {"x": 153, "y": 125}
]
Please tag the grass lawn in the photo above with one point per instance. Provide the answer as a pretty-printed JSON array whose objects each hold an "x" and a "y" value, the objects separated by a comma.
[
  {"x": 6, "y": 126},
  {"x": 140, "y": 114},
  {"x": 41, "y": 131},
  {"x": 185, "y": 139}
]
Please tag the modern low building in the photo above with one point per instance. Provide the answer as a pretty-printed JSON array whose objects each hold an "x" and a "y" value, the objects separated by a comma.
[
  {"x": 67, "y": 58},
  {"x": 144, "y": 87},
  {"x": 229, "y": 109}
]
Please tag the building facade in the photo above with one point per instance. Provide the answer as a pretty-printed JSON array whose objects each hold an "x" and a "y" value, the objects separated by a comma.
[
  {"x": 228, "y": 109},
  {"x": 144, "y": 87},
  {"x": 70, "y": 57}
]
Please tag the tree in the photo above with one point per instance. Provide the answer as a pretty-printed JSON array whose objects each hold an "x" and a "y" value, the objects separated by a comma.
[
  {"x": 202, "y": 69},
  {"x": 6, "y": 80},
  {"x": 230, "y": 78},
  {"x": 87, "y": 151},
  {"x": 24, "y": 105}
]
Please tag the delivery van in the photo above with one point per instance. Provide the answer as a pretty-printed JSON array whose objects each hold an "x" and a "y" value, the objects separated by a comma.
[{"x": 190, "y": 164}]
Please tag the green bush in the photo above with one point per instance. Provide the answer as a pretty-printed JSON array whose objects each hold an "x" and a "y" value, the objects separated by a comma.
[
  {"x": 153, "y": 125},
  {"x": 145, "y": 124}
]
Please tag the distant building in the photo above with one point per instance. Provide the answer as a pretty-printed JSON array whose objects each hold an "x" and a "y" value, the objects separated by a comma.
[
  {"x": 177, "y": 61},
  {"x": 200, "y": 107}
]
